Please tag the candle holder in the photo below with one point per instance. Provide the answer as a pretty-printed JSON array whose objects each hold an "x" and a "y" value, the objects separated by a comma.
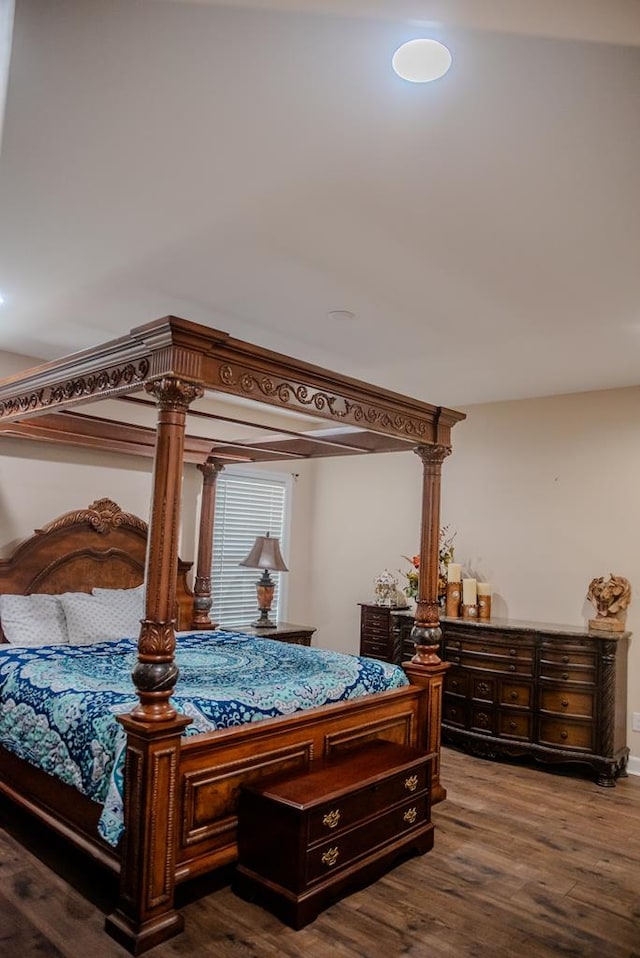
[
  {"x": 484, "y": 606},
  {"x": 453, "y": 599},
  {"x": 469, "y": 611}
]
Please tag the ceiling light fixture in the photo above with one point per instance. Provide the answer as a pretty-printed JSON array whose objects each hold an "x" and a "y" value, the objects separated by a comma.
[
  {"x": 422, "y": 60},
  {"x": 340, "y": 314}
]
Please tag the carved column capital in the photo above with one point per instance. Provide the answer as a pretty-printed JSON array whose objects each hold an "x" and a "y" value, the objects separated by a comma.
[
  {"x": 210, "y": 470},
  {"x": 174, "y": 394},
  {"x": 433, "y": 454}
]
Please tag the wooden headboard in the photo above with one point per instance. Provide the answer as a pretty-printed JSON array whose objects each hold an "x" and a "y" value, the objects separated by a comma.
[{"x": 101, "y": 546}]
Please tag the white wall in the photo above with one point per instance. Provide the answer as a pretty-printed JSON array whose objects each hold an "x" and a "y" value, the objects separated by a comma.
[{"x": 543, "y": 494}]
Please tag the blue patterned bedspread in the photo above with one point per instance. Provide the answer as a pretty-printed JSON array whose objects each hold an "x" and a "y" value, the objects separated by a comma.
[{"x": 58, "y": 703}]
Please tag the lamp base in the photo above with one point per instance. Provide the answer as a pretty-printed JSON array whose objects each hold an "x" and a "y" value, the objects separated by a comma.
[{"x": 264, "y": 622}]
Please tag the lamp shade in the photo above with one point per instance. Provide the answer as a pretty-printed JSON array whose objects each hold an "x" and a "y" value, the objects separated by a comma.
[{"x": 265, "y": 554}]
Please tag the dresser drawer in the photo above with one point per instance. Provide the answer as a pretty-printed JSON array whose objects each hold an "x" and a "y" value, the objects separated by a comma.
[
  {"x": 483, "y": 688},
  {"x": 503, "y": 649},
  {"x": 567, "y": 673},
  {"x": 515, "y": 725},
  {"x": 376, "y": 618},
  {"x": 567, "y": 702},
  {"x": 518, "y": 694},
  {"x": 471, "y": 660},
  {"x": 350, "y": 845},
  {"x": 456, "y": 682},
  {"x": 374, "y": 638},
  {"x": 568, "y": 657},
  {"x": 568, "y": 735},
  {"x": 483, "y": 719},
  {"x": 337, "y": 815},
  {"x": 454, "y": 711},
  {"x": 373, "y": 647}
]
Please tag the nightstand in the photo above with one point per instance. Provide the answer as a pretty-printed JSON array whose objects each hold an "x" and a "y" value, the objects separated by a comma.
[{"x": 283, "y": 632}]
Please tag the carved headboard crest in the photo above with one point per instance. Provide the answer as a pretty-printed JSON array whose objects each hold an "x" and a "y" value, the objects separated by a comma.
[{"x": 103, "y": 515}]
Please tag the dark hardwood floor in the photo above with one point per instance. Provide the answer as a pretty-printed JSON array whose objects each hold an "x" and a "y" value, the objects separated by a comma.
[{"x": 527, "y": 863}]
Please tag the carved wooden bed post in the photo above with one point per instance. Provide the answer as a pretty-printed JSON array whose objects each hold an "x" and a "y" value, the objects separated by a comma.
[
  {"x": 426, "y": 632},
  {"x": 426, "y": 667},
  {"x": 145, "y": 914},
  {"x": 202, "y": 586}
]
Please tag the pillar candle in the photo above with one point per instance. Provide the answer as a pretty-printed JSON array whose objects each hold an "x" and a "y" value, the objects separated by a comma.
[
  {"x": 484, "y": 588},
  {"x": 469, "y": 593},
  {"x": 454, "y": 571}
]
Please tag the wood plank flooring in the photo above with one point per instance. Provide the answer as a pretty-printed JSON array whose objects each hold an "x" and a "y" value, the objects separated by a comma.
[{"x": 527, "y": 863}]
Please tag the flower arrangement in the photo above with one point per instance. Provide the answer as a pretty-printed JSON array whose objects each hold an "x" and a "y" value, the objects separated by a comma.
[
  {"x": 445, "y": 556},
  {"x": 411, "y": 588}
]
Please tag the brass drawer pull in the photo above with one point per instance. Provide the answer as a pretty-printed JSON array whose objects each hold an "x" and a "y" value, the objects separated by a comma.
[
  {"x": 514, "y": 695},
  {"x": 513, "y": 725},
  {"x": 411, "y": 783},
  {"x": 332, "y": 818},
  {"x": 512, "y": 651},
  {"x": 410, "y": 815},
  {"x": 564, "y": 703},
  {"x": 565, "y": 675},
  {"x": 330, "y": 857},
  {"x": 566, "y": 659},
  {"x": 564, "y": 734},
  {"x": 512, "y": 668}
]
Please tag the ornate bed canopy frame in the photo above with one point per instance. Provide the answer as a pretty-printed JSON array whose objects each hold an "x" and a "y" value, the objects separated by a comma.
[{"x": 172, "y": 363}]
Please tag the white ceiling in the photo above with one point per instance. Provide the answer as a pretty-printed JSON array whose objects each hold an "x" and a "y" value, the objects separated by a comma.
[{"x": 255, "y": 168}]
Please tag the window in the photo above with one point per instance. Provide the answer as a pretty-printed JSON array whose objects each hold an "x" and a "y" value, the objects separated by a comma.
[{"x": 247, "y": 505}]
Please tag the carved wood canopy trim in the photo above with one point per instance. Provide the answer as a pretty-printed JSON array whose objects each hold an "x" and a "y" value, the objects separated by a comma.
[
  {"x": 276, "y": 390},
  {"x": 173, "y": 348},
  {"x": 111, "y": 381}
]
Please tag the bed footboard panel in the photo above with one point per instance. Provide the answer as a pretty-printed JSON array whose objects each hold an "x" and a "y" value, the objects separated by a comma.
[{"x": 214, "y": 767}]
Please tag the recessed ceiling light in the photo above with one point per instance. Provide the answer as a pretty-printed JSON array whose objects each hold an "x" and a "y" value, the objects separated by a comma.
[{"x": 422, "y": 60}]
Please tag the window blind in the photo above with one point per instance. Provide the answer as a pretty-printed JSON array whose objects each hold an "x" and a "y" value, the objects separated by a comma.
[{"x": 246, "y": 506}]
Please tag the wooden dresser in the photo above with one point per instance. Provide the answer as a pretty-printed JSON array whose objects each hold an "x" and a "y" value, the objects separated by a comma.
[
  {"x": 557, "y": 693},
  {"x": 384, "y": 633},
  {"x": 305, "y": 840},
  {"x": 283, "y": 632}
]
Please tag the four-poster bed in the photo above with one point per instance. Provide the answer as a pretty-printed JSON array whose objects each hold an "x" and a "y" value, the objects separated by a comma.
[{"x": 181, "y": 792}]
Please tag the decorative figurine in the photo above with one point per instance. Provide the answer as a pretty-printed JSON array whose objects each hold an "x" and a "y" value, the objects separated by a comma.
[
  {"x": 385, "y": 588},
  {"x": 611, "y": 598}
]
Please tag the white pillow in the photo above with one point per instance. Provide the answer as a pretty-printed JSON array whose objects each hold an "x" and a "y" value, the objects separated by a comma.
[
  {"x": 138, "y": 590},
  {"x": 114, "y": 614},
  {"x": 33, "y": 619}
]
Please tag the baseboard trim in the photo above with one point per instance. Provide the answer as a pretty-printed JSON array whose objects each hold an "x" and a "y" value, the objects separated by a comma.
[{"x": 633, "y": 766}]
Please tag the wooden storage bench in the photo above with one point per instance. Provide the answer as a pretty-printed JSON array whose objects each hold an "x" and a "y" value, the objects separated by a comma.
[{"x": 307, "y": 839}]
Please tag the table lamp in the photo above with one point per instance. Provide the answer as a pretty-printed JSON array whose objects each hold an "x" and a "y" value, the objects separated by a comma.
[{"x": 265, "y": 554}]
